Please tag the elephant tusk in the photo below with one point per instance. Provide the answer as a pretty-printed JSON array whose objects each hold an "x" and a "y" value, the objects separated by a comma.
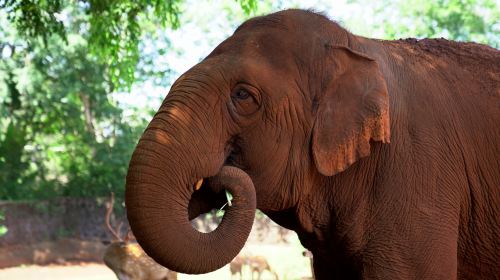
[{"x": 197, "y": 186}]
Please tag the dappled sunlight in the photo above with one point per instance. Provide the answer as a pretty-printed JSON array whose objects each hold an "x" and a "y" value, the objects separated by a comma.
[{"x": 161, "y": 137}]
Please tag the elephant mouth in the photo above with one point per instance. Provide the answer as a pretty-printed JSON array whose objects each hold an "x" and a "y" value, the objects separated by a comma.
[
  {"x": 234, "y": 155},
  {"x": 205, "y": 199},
  {"x": 206, "y": 195}
]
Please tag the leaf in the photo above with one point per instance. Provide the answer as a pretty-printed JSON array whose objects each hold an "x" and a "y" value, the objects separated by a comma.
[{"x": 3, "y": 230}]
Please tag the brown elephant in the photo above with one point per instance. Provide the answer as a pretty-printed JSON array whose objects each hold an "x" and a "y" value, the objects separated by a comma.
[{"x": 293, "y": 115}]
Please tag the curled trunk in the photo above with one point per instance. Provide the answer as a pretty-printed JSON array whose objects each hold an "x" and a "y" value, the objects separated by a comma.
[{"x": 158, "y": 192}]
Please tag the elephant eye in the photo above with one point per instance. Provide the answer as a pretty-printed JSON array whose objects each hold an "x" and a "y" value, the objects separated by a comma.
[
  {"x": 241, "y": 94},
  {"x": 245, "y": 99}
]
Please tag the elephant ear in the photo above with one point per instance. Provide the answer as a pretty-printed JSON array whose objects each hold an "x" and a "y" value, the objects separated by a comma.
[{"x": 353, "y": 109}]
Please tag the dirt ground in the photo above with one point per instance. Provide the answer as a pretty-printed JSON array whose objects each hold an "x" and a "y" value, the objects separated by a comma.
[
  {"x": 57, "y": 272},
  {"x": 281, "y": 248},
  {"x": 285, "y": 259},
  {"x": 89, "y": 272}
]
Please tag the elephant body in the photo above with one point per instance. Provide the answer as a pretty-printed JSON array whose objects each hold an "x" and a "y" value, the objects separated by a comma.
[
  {"x": 383, "y": 156},
  {"x": 427, "y": 205}
]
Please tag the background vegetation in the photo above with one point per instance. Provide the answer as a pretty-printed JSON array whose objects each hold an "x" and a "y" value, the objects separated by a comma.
[{"x": 80, "y": 79}]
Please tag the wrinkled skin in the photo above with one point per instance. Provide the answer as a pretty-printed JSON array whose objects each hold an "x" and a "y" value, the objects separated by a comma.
[{"x": 382, "y": 155}]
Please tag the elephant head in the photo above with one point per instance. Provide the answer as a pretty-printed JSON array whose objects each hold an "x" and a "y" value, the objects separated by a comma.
[{"x": 276, "y": 105}]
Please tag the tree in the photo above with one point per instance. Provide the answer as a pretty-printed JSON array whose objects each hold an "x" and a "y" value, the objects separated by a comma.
[
  {"x": 462, "y": 20},
  {"x": 62, "y": 132},
  {"x": 64, "y": 135},
  {"x": 114, "y": 26}
]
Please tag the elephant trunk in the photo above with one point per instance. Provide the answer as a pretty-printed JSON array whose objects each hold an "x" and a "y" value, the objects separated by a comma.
[{"x": 159, "y": 187}]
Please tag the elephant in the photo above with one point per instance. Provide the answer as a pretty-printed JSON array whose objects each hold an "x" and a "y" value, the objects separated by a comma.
[{"x": 383, "y": 156}]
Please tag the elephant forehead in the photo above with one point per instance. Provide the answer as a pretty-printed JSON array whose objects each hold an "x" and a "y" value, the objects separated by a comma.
[{"x": 274, "y": 48}]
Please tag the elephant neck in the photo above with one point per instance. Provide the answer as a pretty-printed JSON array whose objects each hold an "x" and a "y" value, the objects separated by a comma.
[{"x": 337, "y": 210}]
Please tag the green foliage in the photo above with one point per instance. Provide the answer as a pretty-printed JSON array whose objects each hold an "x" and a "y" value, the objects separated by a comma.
[
  {"x": 35, "y": 18},
  {"x": 64, "y": 134},
  {"x": 114, "y": 27},
  {"x": 3, "y": 228},
  {"x": 248, "y": 6},
  {"x": 63, "y": 232},
  {"x": 462, "y": 20},
  {"x": 115, "y": 31}
]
